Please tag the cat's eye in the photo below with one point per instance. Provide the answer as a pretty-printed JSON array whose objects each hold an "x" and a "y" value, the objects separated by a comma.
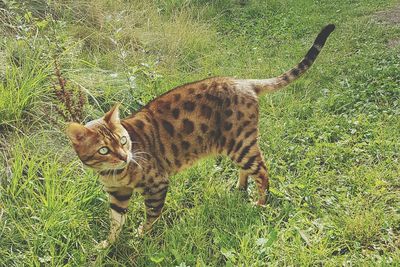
[
  {"x": 123, "y": 140},
  {"x": 104, "y": 150}
]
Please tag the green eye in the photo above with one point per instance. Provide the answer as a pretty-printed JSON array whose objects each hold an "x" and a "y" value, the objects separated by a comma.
[
  {"x": 123, "y": 140},
  {"x": 104, "y": 150}
]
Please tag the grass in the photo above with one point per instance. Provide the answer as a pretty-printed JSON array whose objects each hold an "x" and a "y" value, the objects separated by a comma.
[
  {"x": 330, "y": 140},
  {"x": 23, "y": 83}
]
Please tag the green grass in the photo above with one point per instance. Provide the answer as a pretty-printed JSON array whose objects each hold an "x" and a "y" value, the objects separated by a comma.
[
  {"x": 331, "y": 140},
  {"x": 23, "y": 83}
]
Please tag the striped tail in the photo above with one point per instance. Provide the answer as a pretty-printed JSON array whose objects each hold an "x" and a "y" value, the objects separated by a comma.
[{"x": 262, "y": 86}]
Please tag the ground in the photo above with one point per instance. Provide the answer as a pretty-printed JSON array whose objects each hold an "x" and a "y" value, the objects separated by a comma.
[{"x": 330, "y": 140}]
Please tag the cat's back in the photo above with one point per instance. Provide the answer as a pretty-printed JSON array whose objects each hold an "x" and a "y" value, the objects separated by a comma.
[
  {"x": 200, "y": 118},
  {"x": 201, "y": 99}
]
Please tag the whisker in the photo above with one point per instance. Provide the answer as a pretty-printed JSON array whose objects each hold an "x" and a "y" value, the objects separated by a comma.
[
  {"x": 141, "y": 158},
  {"x": 137, "y": 155},
  {"x": 141, "y": 152},
  {"x": 137, "y": 163}
]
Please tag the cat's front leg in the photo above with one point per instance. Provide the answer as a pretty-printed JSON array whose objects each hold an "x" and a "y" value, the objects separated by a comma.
[
  {"x": 119, "y": 201},
  {"x": 154, "y": 200}
]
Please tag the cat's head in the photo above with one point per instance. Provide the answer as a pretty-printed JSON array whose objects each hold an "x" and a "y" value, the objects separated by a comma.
[{"x": 102, "y": 144}]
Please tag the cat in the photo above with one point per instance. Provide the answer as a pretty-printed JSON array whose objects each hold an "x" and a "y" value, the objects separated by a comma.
[{"x": 213, "y": 116}]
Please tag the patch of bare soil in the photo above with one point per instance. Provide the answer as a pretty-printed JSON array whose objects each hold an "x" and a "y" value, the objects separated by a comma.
[
  {"x": 392, "y": 43},
  {"x": 391, "y": 16}
]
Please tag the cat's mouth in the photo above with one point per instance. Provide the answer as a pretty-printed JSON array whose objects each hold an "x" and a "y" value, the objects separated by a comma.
[
  {"x": 122, "y": 164},
  {"x": 114, "y": 168}
]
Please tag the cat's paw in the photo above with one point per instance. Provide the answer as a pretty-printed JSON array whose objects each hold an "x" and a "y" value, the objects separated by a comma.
[
  {"x": 259, "y": 204},
  {"x": 140, "y": 231},
  {"x": 103, "y": 245}
]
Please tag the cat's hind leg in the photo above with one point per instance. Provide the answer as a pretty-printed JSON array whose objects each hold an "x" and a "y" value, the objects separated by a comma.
[
  {"x": 250, "y": 160},
  {"x": 243, "y": 180}
]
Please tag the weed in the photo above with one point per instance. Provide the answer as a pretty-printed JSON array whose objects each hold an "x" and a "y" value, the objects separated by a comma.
[{"x": 70, "y": 97}]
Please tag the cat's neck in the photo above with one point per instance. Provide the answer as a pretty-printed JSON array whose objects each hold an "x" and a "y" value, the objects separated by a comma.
[
  {"x": 118, "y": 177},
  {"x": 144, "y": 132}
]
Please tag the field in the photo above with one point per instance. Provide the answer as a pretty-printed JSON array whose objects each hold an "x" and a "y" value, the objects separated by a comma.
[{"x": 331, "y": 139}]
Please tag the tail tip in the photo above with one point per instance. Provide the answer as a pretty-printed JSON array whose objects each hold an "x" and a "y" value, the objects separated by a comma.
[{"x": 329, "y": 28}]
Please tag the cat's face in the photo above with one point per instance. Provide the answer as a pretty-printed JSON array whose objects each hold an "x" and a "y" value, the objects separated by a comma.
[{"x": 102, "y": 144}]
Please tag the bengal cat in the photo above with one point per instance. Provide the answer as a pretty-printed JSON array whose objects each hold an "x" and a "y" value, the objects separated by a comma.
[{"x": 213, "y": 116}]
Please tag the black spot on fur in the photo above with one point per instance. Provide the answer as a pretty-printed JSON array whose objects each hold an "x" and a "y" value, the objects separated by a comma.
[
  {"x": 204, "y": 127},
  {"x": 189, "y": 106},
  {"x": 185, "y": 145},
  {"x": 139, "y": 124},
  {"x": 188, "y": 126},
  {"x": 239, "y": 131},
  {"x": 177, "y": 97},
  {"x": 200, "y": 139},
  {"x": 250, "y": 133},
  {"x": 206, "y": 111},
  {"x": 175, "y": 150},
  {"x": 227, "y": 126},
  {"x": 228, "y": 113},
  {"x": 162, "y": 148},
  {"x": 215, "y": 99},
  {"x": 246, "y": 123},
  {"x": 239, "y": 115},
  {"x": 168, "y": 127},
  {"x": 235, "y": 100},
  {"x": 175, "y": 113}
]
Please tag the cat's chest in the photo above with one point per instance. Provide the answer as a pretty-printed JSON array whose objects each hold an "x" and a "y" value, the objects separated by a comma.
[
  {"x": 135, "y": 177},
  {"x": 127, "y": 178},
  {"x": 115, "y": 181}
]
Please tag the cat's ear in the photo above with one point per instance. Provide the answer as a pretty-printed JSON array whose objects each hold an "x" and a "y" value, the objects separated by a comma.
[
  {"x": 112, "y": 116},
  {"x": 76, "y": 132}
]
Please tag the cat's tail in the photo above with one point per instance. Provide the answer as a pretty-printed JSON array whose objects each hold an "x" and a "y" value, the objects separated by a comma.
[{"x": 262, "y": 86}]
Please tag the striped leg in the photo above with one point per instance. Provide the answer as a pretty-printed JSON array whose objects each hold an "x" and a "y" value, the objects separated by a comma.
[
  {"x": 154, "y": 201},
  {"x": 251, "y": 162},
  {"x": 119, "y": 201},
  {"x": 259, "y": 172},
  {"x": 243, "y": 180}
]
